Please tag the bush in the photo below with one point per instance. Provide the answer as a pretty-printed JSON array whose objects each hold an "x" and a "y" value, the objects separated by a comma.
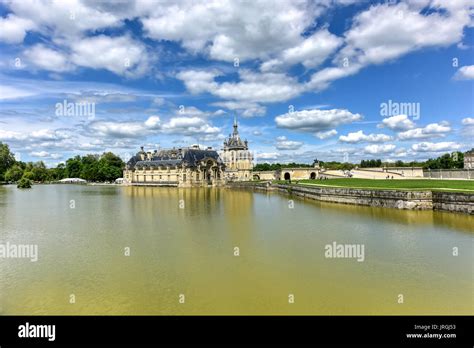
[
  {"x": 14, "y": 174},
  {"x": 24, "y": 183}
]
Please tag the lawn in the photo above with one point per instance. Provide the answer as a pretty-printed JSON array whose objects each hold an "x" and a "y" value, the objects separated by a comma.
[{"x": 418, "y": 184}]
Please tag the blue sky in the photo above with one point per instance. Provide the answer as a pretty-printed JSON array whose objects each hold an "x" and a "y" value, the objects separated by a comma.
[{"x": 306, "y": 79}]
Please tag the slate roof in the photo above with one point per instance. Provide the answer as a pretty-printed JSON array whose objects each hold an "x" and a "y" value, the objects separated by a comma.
[
  {"x": 173, "y": 157},
  {"x": 470, "y": 152}
]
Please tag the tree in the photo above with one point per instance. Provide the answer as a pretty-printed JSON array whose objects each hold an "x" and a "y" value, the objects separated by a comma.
[
  {"x": 110, "y": 167},
  {"x": 399, "y": 163},
  {"x": 14, "y": 173},
  {"x": 370, "y": 163},
  {"x": 40, "y": 172},
  {"x": 59, "y": 172},
  {"x": 278, "y": 166},
  {"x": 24, "y": 183},
  {"x": 7, "y": 159},
  {"x": 74, "y": 167},
  {"x": 90, "y": 168}
]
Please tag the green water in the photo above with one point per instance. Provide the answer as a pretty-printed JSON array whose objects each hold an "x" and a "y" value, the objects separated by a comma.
[{"x": 189, "y": 249}]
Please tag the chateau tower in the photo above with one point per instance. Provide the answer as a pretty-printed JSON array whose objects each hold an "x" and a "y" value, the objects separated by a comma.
[{"x": 237, "y": 157}]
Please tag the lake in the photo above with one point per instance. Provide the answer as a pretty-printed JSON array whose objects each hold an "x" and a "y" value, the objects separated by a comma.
[{"x": 151, "y": 250}]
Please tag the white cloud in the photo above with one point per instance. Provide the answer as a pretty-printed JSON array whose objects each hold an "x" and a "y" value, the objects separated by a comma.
[
  {"x": 430, "y": 131},
  {"x": 371, "y": 39},
  {"x": 9, "y": 92},
  {"x": 379, "y": 149},
  {"x": 252, "y": 87},
  {"x": 6, "y": 135},
  {"x": 316, "y": 120},
  {"x": 62, "y": 18},
  {"x": 435, "y": 147},
  {"x": 190, "y": 111},
  {"x": 40, "y": 154},
  {"x": 228, "y": 29},
  {"x": 325, "y": 135},
  {"x": 186, "y": 126},
  {"x": 45, "y": 154},
  {"x": 119, "y": 129},
  {"x": 323, "y": 78},
  {"x": 284, "y": 144},
  {"x": 199, "y": 81},
  {"x": 359, "y": 136},
  {"x": 267, "y": 155},
  {"x": 13, "y": 29},
  {"x": 189, "y": 126},
  {"x": 36, "y": 141},
  {"x": 47, "y": 59},
  {"x": 120, "y": 55},
  {"x": 397, "y": 123},
  {"x": 49, "y": 134},
  {"x": 153, "y": 122},
  {"x": 468, "y": 121},
  {"x": 245, "y": 109},
  {"x": 311, "y": 51},
  {"x": 467, "y": 129},
  {"x": 465, "y": 73}
]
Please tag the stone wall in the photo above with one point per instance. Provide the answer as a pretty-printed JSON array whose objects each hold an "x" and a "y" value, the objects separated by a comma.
[
  {"x": 265, "y": 175},
  {"x": 449, "y": 174},
  {"x": 410, "y": 200},
  {"x": 416, "y": 200},
  {"x": 449, "y": 201},
  {"x": 299, "y": 173}
]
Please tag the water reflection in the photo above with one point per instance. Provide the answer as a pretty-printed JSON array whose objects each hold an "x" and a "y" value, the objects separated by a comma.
[
  {"x": 456, "y": 221},
  {"x": 183, "y": 240}
]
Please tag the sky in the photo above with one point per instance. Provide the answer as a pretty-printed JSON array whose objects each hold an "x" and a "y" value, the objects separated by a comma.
[{"x": 333, "y": 80}]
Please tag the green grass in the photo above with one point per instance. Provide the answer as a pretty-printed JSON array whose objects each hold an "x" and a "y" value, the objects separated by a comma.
[{"x": 388, "y": 184}]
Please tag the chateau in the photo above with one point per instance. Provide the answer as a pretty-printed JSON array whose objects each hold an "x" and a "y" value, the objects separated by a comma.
[
  {"x": 469, "y": 159},
  {"x": 237, "y": 157},
  {"x": 192, "y": 166}
]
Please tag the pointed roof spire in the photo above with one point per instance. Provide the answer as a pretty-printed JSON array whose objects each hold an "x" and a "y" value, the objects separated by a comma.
[{"x": 236, "y": 132}]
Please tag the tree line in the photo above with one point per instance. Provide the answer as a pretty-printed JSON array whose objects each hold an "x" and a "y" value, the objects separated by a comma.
[
  {"x": 95, "y": 168},
  {"x": 278, "y": 166},
  {"x": 453, "y": 160},
  {"x": 108, "y": 166}
]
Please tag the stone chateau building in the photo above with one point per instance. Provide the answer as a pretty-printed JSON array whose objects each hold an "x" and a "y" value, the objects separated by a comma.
[
  {"x": 237, "y": 158},
  {"x": 469, "y": 159},
  {"x": 192, "y": 166}
]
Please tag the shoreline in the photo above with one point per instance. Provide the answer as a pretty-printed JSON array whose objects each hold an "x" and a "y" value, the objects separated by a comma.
[
  {"x": 402, "y": 199},
  {"x": 453, "y": 202}
]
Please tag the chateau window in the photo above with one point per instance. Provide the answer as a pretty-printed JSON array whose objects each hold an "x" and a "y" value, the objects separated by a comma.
[{"x": 184, "y": 177}]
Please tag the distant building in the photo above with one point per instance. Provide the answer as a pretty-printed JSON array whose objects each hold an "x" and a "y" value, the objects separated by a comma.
[
  {"x": 237, "y": 158},
  {"x": 469, "y": 159},
  {"x": 192, "y": 166},
  {"x": 183, "y": 167}
]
